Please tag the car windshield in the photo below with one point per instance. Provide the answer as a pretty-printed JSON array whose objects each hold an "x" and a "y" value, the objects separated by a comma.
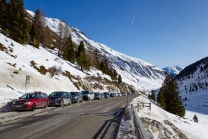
[
  {"x": 74, "y": 93},
  {"x": 56, "y": 94},
  {"x": 97, "y": 94},
  {"x": 85, "y": 92},
  {"x": 28, "y": 96}
]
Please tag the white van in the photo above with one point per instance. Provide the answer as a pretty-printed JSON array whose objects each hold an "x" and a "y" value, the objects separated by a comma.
[{"x": 88, "y": 95}]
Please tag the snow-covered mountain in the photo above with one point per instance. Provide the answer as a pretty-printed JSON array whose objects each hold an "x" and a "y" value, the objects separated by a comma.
[
  {"x": 193, "y": 85},
  {"x": 174, "y": 70},
  {"x": 140, "y": 73}
]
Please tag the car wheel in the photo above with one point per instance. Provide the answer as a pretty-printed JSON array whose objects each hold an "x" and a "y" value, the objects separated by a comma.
[
  {"x": 81, "y": 100},
  {"x": 77, "y": 100},
  {"x": 33, "y": 107},
  {"x": 61, "y": 103},
  {"x": 46, "y": 105},
  {"x": 69, "y": 102},
  {"x": 88, "y": 99}
]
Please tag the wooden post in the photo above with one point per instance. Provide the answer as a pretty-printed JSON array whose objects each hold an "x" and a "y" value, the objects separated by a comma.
[{"x": 138, "y": 107}]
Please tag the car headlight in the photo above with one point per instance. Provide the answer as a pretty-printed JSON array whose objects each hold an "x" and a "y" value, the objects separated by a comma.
[
  {"x": 14, "y": 102},
  {"x": 27, "y": 103}
]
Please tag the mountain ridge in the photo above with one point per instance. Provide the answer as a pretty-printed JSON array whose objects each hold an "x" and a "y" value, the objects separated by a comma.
[
  {"x": 137, "y": 70},
  {"x": 174, "y": 70}
]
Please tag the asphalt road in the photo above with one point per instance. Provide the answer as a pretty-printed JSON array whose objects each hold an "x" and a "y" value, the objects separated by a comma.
[{"x": 86, "y": 120}]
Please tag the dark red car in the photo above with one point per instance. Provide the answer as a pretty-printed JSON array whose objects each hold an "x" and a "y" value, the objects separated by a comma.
[{"x": 31, "y": 101}]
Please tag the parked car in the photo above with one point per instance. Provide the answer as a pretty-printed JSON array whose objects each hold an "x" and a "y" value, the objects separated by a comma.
[
  {"x": 76, "y": 96},
  {"x": 112, "y": 95},
  {"x": 106, "y": 94},
  {"x": 31, "y": 101},
  {"x": 98, "y": 96},
  {"x": 124, "y": 94},
  {"x": 88, "y": 95},
  {"x": 129, "y": 93},
  {"x": 102, "y": 96},
  {"x": 60, "y": 98},
  {"x": 119, "y": 94}
]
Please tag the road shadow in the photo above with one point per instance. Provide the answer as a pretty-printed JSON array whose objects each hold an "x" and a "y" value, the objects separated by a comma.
[
  {"x": 114, "y": 122},
  {"x": 7, "y": 107}
]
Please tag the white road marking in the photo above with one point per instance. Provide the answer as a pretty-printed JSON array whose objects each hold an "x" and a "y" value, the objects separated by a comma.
[
  {"x": 96, "y": 108},
  {"x": 41, "y": 114},
  {"x": 57, "y": 109}
]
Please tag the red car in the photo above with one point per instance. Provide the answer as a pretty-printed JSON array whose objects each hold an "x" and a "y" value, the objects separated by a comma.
[{"x": 31, "y": 101}]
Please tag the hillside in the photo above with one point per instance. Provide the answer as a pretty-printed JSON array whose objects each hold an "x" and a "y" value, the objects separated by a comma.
[
  {"x": 140, "y": 73},
  {"x": 193, "y": 86},
  {"x": 170, "y": 125}
]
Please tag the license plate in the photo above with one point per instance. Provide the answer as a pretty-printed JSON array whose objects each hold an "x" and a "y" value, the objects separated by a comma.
[{"x": 18, "y": 106}]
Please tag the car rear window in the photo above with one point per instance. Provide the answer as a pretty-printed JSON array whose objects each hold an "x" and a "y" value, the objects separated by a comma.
[
  {"x": 74, "y": 93},
  {"x": 56, "y": 94},
  {"x": 85, "y": 92},
  {"x": 28, "y": 96}
]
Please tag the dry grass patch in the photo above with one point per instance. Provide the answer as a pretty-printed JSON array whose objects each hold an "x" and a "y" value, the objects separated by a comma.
[
  {"x": 15, "y": 72},
  {"x": 2, "y": 47},
  {"x": 13, "y": 65}
]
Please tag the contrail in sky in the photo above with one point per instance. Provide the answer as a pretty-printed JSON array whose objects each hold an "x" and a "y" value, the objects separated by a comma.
[{"x": 133, "y": 19}]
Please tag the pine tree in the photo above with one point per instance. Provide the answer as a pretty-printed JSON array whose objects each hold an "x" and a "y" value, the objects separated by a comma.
[
  {"x": 119, "y": 79},
  {"x": 195, "y": 118},
  {"x": 3, "y": 14},
  {"x": 161, "y": 100},
  {"x": 13, "y": 19},
  {"x": 105, "y": 68},
  {"x": 153, "y": 95},
  {"x": 34, "y": 39},
  {"x": 39, "y": 22},
  {"x": 96, "y": 61},
  {"x": 171, "y": 97},
  {"x": 101, "y": 66},
  {"x": 82, "y": 59},
  {"x": 69, "y": 52},
  {"x": 46, "y": 37},
  {"x": 149, "y": 96},
  {"x": 115, "y": 75}
]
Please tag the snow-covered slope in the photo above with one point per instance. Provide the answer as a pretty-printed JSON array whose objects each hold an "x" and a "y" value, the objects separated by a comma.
[
  {"x": 174, "y": 70},
  {"x": 193, "y": 85},
  {"x": 186, "y": 125},
  {"x": 133, "y": 70}
]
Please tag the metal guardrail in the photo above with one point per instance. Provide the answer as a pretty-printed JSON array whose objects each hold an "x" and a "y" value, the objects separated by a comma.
[{"x": 140, "y": 131}]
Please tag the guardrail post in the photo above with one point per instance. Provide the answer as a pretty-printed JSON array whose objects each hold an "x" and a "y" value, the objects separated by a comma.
[
  {"x": 150, "y": 106},
  {"x": 138, "y": 107}
]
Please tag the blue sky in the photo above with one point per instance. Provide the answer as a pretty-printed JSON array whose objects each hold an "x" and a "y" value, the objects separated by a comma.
[{"x": 164, "y": 32}]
